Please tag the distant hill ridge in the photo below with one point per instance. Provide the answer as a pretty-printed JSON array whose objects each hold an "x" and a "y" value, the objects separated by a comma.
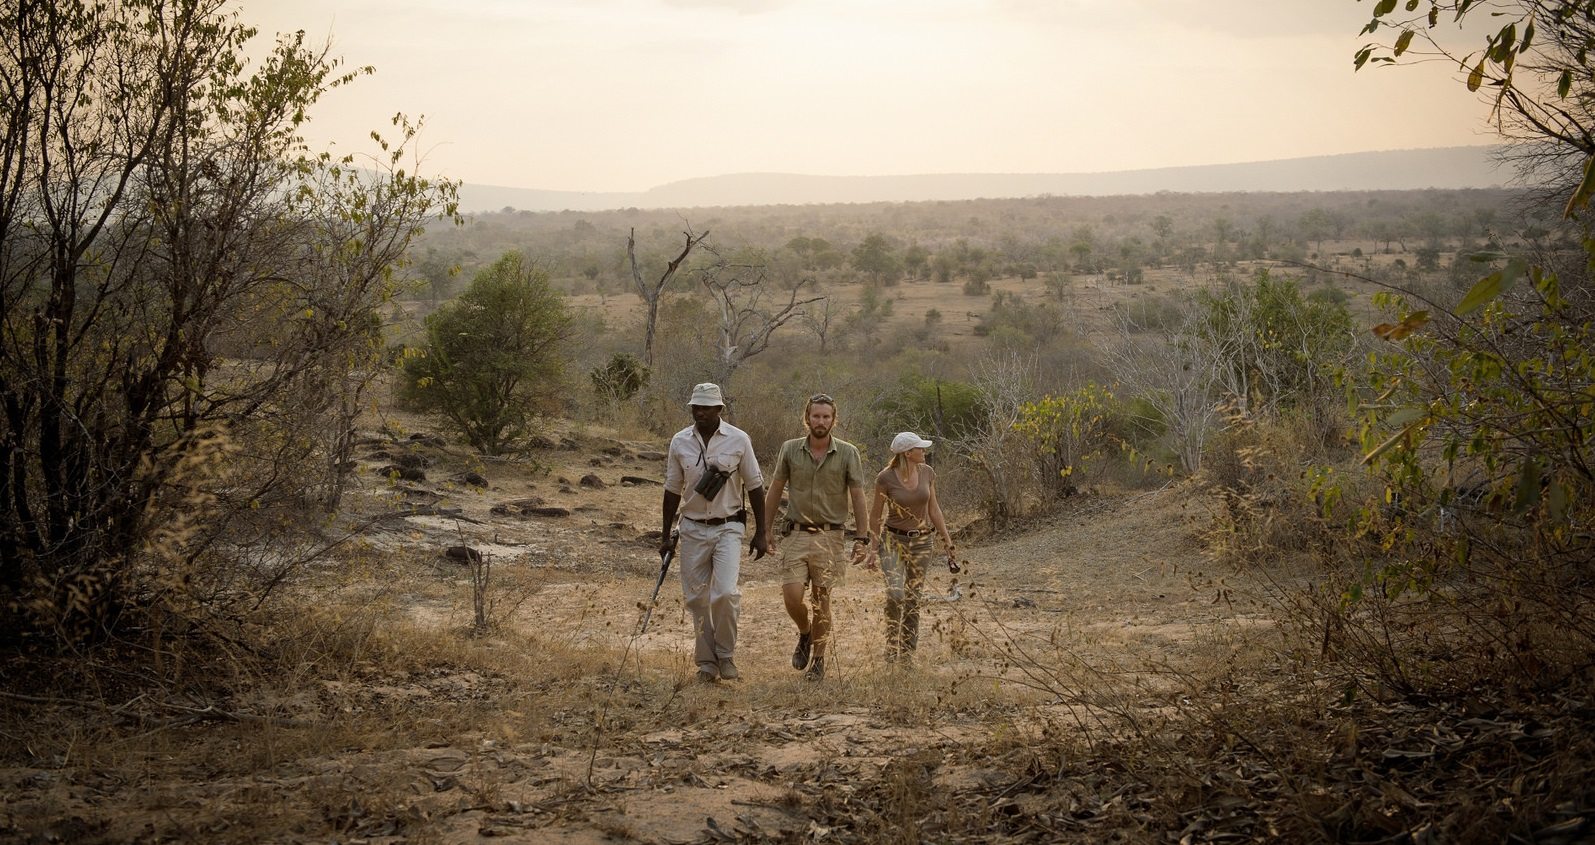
[{"x": 1438, "y": 167}]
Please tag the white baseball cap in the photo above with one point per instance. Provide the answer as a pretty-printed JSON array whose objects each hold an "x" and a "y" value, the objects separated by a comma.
[
  {"x": 906, "y": 440},
  {"x": 707, "y": 395}
]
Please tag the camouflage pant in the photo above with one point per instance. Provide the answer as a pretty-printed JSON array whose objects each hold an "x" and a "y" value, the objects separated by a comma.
[{"x": 904, "y": 561}]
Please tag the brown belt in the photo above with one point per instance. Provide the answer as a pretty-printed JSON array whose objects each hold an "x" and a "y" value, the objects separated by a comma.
[{"x": 817, "y": 527}]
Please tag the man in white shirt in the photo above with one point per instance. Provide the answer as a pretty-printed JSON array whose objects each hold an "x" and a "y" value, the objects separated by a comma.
[{"x": 709, "y": 468}]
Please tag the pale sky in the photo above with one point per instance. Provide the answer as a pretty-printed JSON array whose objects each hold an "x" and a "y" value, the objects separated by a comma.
[{"x": 625, "y": 95}]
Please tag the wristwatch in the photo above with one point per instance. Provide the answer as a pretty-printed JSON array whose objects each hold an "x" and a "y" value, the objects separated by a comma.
[{"x": 861, "y": 538}]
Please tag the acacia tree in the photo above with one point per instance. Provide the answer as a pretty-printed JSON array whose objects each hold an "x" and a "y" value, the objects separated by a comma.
[
  {"x": 492, "y": 356},
  {"x": 185, "y": 293},
  {"x": 875, "y": 256}
]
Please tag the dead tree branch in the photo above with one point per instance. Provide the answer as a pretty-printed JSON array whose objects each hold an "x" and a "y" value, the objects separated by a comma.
[
  {"x": 746, "y": 322},
  {"x": 651, "y": 292}
]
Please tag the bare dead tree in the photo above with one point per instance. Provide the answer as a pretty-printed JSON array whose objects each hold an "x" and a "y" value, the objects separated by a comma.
[
  {"x": 747, "y": 319},
  {"x": 994, "y": 450},
  {"x": 819, "y": 319},
  {"x": 651, "y": 293},
  {"x": 1177, "y": 376}
]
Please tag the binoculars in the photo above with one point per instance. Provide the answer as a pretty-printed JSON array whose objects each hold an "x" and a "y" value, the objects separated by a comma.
[{"x": 711, "y": 481}]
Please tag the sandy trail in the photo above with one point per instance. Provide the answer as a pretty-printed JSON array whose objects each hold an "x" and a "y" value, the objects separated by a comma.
[{"x": 619, "y": 742}]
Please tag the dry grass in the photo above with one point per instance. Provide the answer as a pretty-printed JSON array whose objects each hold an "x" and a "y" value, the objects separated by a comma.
[
  {"x": 388, "y": 728},
  {"x": 1104, "y": 677}
]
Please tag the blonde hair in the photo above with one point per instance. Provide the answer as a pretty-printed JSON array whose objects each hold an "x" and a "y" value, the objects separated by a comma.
[{"x": 819, "y": 399}]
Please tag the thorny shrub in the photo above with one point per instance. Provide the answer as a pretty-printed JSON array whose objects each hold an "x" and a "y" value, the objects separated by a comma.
[
  {"x": 177, "y": 267},
  {"x": 1257, "y": 469},
  {"x": 1473, "y": 565}
]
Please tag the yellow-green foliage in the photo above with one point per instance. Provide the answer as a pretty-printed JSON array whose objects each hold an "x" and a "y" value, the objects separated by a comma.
[{"x": 1066, "y": 431}]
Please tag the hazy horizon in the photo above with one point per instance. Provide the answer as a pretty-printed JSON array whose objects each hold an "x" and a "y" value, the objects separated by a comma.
[
  {"x": 790, "y": 173},
  {"x": 622, "y": 95},
  {"x": 1443, "y": 168}
]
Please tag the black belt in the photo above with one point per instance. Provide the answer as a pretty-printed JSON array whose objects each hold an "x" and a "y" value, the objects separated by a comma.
[
  {"x": 909, "y": 532},
  {"x": 719, "y": 520},
  {"x": 817, "y": 527}
]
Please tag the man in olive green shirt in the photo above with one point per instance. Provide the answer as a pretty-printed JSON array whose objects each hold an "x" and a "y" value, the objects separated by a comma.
[{"x": 825, "y": 475}]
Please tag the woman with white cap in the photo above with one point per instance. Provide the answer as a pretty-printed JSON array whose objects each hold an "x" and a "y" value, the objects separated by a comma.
[{"x": 905, "y": 495}]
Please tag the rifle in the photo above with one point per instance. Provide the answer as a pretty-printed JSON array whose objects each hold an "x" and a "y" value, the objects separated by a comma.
[{"x": 664, "y": 567}]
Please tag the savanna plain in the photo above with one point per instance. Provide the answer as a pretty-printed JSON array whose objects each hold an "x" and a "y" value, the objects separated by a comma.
[{"x": 1165, "y": 628}]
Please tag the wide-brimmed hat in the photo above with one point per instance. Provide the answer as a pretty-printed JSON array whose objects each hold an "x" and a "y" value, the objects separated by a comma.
[
  {"x": 908, "y": 440},
  {"x": 707, "y": 394}
]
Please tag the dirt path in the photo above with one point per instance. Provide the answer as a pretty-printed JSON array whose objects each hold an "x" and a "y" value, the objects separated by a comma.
[{"x": 610, "y": 738}]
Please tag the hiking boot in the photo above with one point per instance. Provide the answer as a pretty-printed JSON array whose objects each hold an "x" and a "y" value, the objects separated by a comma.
[
  {"x": 708, "y": 673},
  {"x": 816, "y": 670},
  {"x": 728, "y": 670},
  {"x": 800, "y": 655}
]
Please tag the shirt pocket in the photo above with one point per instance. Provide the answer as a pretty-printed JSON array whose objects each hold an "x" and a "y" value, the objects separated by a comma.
[{"x": 834, "y": 483}]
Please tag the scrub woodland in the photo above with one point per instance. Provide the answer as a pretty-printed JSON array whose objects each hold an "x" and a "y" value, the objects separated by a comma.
[{"x": 328, "y": 513}]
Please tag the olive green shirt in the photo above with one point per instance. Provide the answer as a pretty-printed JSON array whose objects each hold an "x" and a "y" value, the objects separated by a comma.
[{"x": 818, "y": 493}]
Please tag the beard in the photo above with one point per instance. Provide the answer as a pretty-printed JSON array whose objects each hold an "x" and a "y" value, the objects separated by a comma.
[{"x": 819, "y": 431}]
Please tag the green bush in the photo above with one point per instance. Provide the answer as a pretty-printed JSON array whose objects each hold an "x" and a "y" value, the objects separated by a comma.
[
  {"x": 492, "y": 358},
  {"x": 1277, "y": 349},
  {"x": 932, "y": 407},
  {"x": 621, "y": 378},
  {"x": 189, "y": 301},
  {"x": 1151, "y": 314},
  {"x": 1140, "y": 423}
]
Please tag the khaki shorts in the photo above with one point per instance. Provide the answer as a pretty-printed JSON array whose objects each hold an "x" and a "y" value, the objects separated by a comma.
[{"x": 821, "y": 558}]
